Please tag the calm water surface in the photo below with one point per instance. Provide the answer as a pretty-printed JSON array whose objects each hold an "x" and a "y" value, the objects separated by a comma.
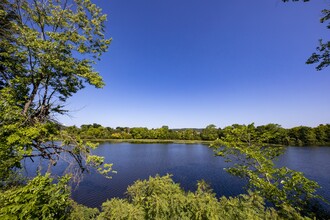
[{"x": 187, "y": 163}]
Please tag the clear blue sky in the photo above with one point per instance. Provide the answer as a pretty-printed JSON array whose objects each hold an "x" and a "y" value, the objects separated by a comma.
[{"x": 190, "y": 63}]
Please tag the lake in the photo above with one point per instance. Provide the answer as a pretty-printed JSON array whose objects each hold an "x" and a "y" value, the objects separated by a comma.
[{"x": 187, "y": 163}]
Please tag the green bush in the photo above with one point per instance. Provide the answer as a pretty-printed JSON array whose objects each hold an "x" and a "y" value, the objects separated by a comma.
[{"x": 40, "y": 198}]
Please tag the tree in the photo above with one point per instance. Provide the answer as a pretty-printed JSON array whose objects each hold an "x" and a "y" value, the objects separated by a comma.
[
  {"x": 210, "y": 133},
  {"x": 139, "y": 133},
  {"x": 321, "y": 134},
  {"x": 322, "y": 55},
  {"x": 303, "y": 135},
  {"x": 7, "y": 32},
  {"x": 48, "y": 49},
  {"x": 163, "y": 132},
  {"x": 253, "y": 160},
  {"x": 190, "y": 134},
  {"x": 278, "y": 134}
]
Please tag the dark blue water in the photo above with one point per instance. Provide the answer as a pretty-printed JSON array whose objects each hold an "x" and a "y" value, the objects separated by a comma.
[
  {"x": 314, "y": 162},
  {"x": 187, "y": 163}
]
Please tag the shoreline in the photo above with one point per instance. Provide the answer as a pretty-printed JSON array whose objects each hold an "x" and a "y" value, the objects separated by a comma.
[
  {"x": 169, "y": 141},
  {"x": 150, "y": 141}
]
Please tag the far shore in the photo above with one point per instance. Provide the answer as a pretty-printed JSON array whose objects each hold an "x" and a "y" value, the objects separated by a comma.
[
  {"x": 151, "y": 141},
  {"x": 160, "y": 141}
]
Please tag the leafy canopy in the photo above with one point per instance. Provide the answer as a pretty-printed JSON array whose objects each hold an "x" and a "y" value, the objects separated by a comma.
[{"x": 48, "y": 51}]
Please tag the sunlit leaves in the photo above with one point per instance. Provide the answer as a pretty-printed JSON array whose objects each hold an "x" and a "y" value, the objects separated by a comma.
[
  {"x": 48, "y": 51},
  {"x": 49, "y": 36},
  {"x": 161, "y": 198},
  {"x": 39, "y": 199},
  {"x": 253, "y": 159}
]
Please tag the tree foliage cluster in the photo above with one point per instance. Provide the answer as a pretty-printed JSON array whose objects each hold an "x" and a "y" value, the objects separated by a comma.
[
  {"x": 40, "y": 198},
  {"x": 156, "y": 198},
  {"x": 161, "y": 198},
  {"x": 47, "y": 52},
  {"x": 48, "y": 49},
  {"x": 96, "y": 131},
  {"x": 297, "y": 136}
]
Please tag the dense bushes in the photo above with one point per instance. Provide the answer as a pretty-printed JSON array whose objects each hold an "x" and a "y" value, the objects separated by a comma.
[
  {"x": 40, "y": 198},
  {"x": 161, "y": 198},
  {"x": 156, "y": 198}
]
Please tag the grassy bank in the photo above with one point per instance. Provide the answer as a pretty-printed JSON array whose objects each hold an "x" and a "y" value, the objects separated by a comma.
[{"x": 151, "y": 141}]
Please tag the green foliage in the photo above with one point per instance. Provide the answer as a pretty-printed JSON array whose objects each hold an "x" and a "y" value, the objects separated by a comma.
[
  {"x": 48, "y": 49},
  {"x": 119, "y": 209},
  {"x": 47, "y": 52},
  {"x": 161, "y": 198},
  {"x": 139, "y": 133},
  {"x": 38, "y": 199},
  {"x": 210, "y": 133},
  {"x": 297, "y": 136},
  {"x": 253, "y": 160},
  {"x": 278, "y": 135},
  {"x": 80, "y": 212},
  {"x": 304, "y": 135},
  {"x": 156, "y": 198}
]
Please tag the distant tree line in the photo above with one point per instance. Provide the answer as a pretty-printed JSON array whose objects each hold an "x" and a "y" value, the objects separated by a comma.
[{"x": 297, "y": 136}]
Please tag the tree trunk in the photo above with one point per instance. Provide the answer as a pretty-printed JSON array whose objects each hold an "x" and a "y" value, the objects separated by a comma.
[{"x": 28, "y": 103}]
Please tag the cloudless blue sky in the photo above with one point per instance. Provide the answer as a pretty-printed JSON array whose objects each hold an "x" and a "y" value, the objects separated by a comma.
[{"x": 190, "y": 63}]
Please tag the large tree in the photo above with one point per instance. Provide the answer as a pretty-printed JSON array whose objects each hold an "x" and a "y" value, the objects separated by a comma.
[{"x": 48, "y": 51}]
